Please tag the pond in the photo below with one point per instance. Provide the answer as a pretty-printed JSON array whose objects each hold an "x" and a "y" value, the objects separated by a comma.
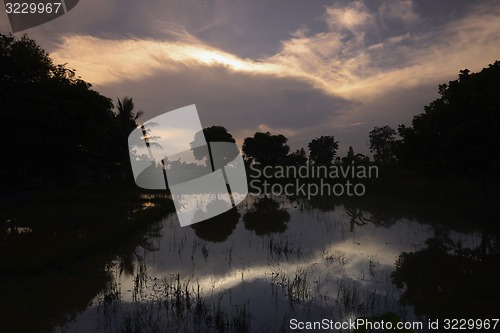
[
  {"x": 257, "y": 268},
  {"x": 275, "y": 261}
]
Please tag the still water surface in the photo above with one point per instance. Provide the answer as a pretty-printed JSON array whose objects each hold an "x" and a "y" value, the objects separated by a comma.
[{"x": 257, "y": 267}]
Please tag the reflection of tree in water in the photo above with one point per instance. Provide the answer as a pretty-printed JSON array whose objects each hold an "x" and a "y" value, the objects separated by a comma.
[
  {"x": 446, "y": 280},
  {"x": 95, "y": 236},
  {"x": 217, "y": 228},
  {"x": 353, "y": 209},
  {"x": 127, "y": 255},
  {"x": 323, "y": 203},
  {"x": 381, "y": 212},
  {"x": 356, "y": 217},
  {"x": 266, "y": 217}
]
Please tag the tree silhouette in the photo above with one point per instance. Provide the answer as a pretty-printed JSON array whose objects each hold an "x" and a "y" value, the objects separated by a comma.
[
  {"x": 217, "y": 155},
  {"x": 126, "y": 122},
  {"x": 297, "y": 158},
  {"x": 457, "y": 134},
  {"x": 323, "y": 149},
  {"x": 445, "y": 280},
  {"x": 352, "y": 158},
  {"x": 266, "y": 217},
  {"x": 213, "y": 133},
  {"x": 126, "y": 115},
  {"x": 217, "y": 228},
  {"x": 266, "y": 149},
  {"x": 56, "y": 121},
  {"x": 23, "y": 62},
  {"x": 382, "y": 144}
]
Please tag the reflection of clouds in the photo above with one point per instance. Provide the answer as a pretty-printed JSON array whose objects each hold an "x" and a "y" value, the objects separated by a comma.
[
  {"x": 315, "y": 234},
  {"x": 347, "y": 273}
]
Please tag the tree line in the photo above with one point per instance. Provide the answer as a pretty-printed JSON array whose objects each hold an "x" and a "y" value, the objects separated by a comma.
[
  {"x": 271, "y": 150},
  {"x": 58, "y": 129},
  {"x": 455, "y": 138}
]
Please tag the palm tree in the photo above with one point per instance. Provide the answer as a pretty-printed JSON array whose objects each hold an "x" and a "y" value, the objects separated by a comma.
[
  {"x": 126, "y": 122},
  {"x": 127, "y": 117}
]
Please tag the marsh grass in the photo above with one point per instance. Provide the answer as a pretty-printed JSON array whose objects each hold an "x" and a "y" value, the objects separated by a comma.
[
  {"x": 337, "y": 258},
  {"x": 300, "y": 282},
  {"x": 283, "y": 247},
  {"x": 295, "y": 287},
  {"x": 170, "y": 304}
]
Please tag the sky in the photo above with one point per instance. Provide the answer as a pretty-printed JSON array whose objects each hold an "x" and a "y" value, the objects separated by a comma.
[{"x": 302, "y": 68}]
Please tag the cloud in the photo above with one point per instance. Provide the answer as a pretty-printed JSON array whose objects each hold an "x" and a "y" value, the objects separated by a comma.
[
  {"x": 360, "y": 67},
  {"x": 105, "y": 61},
  {"x": 398, "y": 10},
  {"x": 327, "y": 60},
  {"x": 353, "y": 17},
  {"x": 405, "y": 60},
  {"x": 241, "y": 102}
]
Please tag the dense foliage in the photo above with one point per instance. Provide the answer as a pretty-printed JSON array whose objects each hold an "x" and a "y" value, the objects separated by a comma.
[
  {"x": 266, "y": 148},
  {"x": 55, "y": 123},
  {"x": 457, "y": 135},
  {"x": 382, "y": 144},
  {"x": 323, "y": 149}
]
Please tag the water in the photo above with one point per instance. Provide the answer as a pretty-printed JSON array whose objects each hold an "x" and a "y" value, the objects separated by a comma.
[{"x": 271, "y": 261}]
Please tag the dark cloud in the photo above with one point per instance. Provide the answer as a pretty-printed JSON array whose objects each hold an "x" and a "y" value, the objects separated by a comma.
[
  {"x": 237, "y": 101},
  {"x": 340, "y": 67}
]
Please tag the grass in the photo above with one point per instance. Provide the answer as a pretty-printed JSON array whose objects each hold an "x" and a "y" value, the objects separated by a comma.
[
  {"x": 336, "y": 258},
  {"x": 296, "y": 287},
  {"x": 119, "y": 221},
  {"x": 171, "y": 304},
  {"x": 280, "y": 247}
]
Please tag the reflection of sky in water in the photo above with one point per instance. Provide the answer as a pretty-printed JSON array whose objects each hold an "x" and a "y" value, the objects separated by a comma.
[
  {"x": 192, "y": 203},
  {"x": 318, "y": 244}
]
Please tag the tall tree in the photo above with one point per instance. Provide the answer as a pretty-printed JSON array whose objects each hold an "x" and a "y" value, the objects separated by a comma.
[
  {"x": 267, "y": 149},
  {"x": 382, "y": 144},
  {"x": 126, "y": 115},
  {"x": 214, "y": 133},
  {"x": 323, "y": 149},
  {"x": 457, "y": 134},
  {"x": 126, "y": 122},
  {"x": 216, "y": 155},
  {"x": 23, "y": 61},
  {"x": 54, "y": 118},
  {"x": 353, "y": 158}
]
